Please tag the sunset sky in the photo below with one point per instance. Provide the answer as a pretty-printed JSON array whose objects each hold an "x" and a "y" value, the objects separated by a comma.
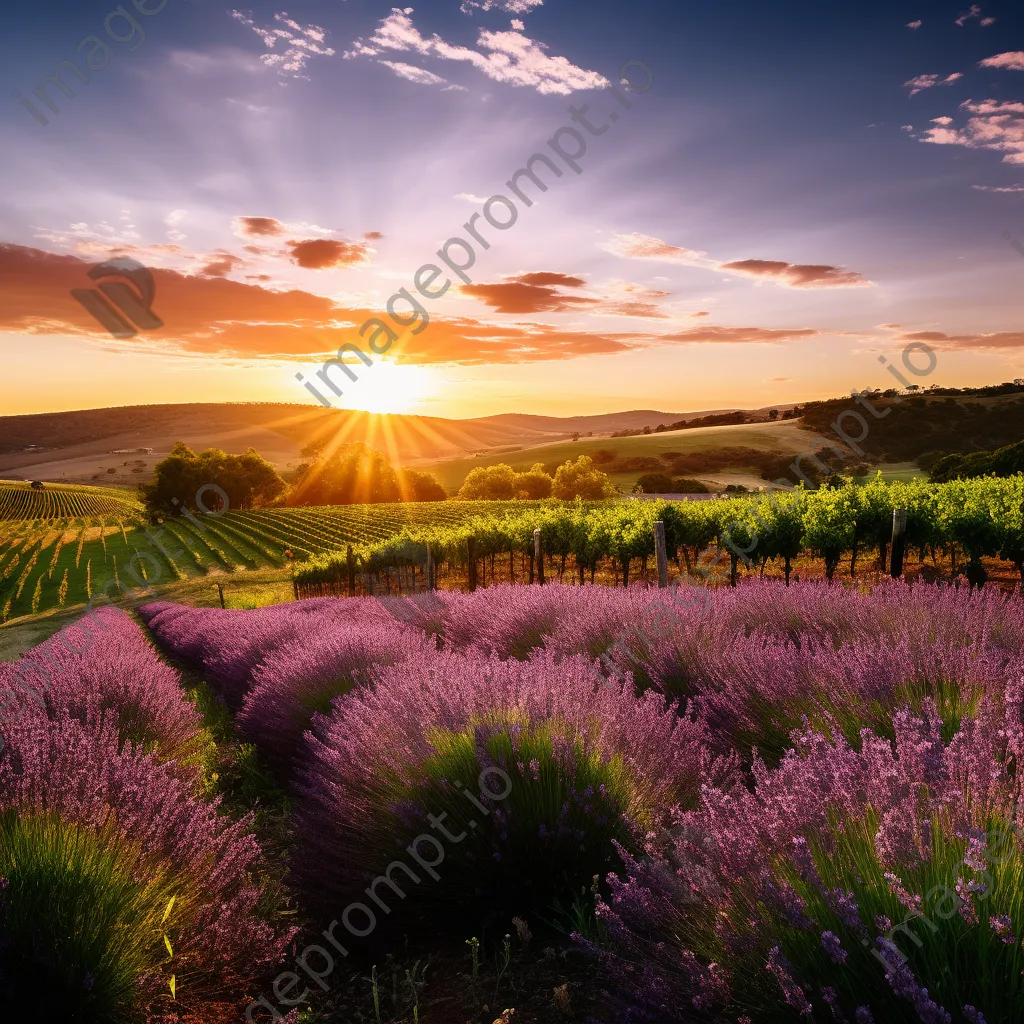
[{"x": 802, "y": 188}]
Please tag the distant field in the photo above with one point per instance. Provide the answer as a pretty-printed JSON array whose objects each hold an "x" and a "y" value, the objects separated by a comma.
[
  {"x": 51, "y": 563},
  {"x": 782, "y": 438},
  {"x": 55, "y": 501}
]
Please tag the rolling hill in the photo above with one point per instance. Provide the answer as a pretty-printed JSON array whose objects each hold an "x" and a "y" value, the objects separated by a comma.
[{"x": 78, "y": 446}]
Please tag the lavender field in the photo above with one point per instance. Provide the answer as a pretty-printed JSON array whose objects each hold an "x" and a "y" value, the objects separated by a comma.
[{"x": 765, "y": 803}]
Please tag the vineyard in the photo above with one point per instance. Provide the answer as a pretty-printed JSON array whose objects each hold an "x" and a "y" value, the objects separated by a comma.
[
  {"x": 64, "y": 561},
  {"x": 962, "y": 521},
  {"x": 54, "y": 501},
  {"x": 974, "y": 528}
]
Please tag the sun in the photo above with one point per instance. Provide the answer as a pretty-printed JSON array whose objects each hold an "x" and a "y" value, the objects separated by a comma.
[{"x": 389, "y": 387}]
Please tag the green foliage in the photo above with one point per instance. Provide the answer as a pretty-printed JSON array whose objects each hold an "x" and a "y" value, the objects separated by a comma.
[
  {"x": 1006, "y": 461},
  {"x": 418, "y": 486},
  {"x": 347, "y": 475},
  {"x": 185, "y": 479},
  {"x": 950, "y": 946},
  {"x": 503, "y": 483},
  {"x": 80, "y": 922},
  {"x": 581, "y": 479}
]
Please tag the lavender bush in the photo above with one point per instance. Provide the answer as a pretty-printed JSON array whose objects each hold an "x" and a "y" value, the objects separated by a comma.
[
  {"x": 586, "y": 764},
  {"x": 114, "y": 835}
]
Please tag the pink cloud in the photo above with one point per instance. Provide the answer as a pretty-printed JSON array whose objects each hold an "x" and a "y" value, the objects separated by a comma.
[
  {"x": 992, "y": 125},
  {"x": 930, "y": 81},
  {"x": 509, "y": 57},
  {"x": 790, "y": 275},
  {"x": 1011, "y": 61},
  {"x": 293, "y": 45}
]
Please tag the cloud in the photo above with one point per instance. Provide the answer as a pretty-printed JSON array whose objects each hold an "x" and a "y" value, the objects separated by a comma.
[
  {"x": 414, "y": 74},
  {"x": 215, "y": 317},
  {"x": 993, "y": 125},
  {"x": 930, "y": 81},
  {"x": 172, "y": 220},
  {"x": 779, "y": 380},
  {"x": 544, "y": 292},
  {"x": 512, "y": 6},
  {"x": 799, "y": 275},
  {"x": 999, "y": 188},
  {"x": 218, "y": 317},
  {"x": 221, "y": 264},
  {"x": 258, "y": 227},
  {"x": 702, "y": 313},
  {"x": 740, "y": 335},
  {"x": 547, "y": 278},
  {"x": 790, "y": 275},
  {"x": 470, "y": 198},
  {"x": 325, "y": 253},
  {"x": 518, "y": 25},
  {"x": 914, "y": 25},
  {"x": 297, "y": 45},
  {"x": 985, "y": 22},
  {"x": 1011, "y": 61},
  {"x": 508, "y": 57},
  {"x": 995, "y": 342},
  {"x": 643, "y": 247},
  {"x": 974, "y": 12},
  {"x": 531, "y": 293}
]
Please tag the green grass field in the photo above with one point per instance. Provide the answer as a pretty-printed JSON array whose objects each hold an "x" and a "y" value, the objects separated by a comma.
[{"x": 782, "y": 438}]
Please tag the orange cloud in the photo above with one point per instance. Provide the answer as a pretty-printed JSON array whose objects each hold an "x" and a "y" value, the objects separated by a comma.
[
  {"x": 740, "y": 335},
  {"x": 790, "y": 275},
  {"x": 997, "y": 341},
  {"x": 257, "y": 227},
  {"x": 325, "y": 253},
  {"x": 798, "y": 275},
  {"x": 536, "y": 292}
]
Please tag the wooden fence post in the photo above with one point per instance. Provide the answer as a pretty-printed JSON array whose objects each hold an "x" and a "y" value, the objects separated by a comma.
[
  {"x": 899, "y": 540},
  {"x": 295, "y": 588},
  {"x": 471, "y": 549},
  {"x": 351, "y": 566},
  {"x": 538, "y": 555},
  {"x": 661, "y": 554},
  {"x": 220, "y": 590},
  {"x": 431, "y": 570}
]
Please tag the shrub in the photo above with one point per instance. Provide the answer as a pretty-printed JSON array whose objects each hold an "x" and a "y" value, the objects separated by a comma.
[
  {"x": 875, "y": 884},
  {"x": 302, "y": 679},
  {"x": 684, "y": 485},
  {"x": 105, "y": 664},
  {"x": 114, "y": 835},
  {"x": 583, "y": 762},
  {"x": 655, "y": 483}
]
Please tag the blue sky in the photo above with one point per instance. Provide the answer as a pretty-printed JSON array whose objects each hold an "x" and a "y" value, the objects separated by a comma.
[{"x": 804, "y": 187}]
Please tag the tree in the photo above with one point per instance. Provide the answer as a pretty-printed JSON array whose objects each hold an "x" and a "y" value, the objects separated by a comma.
[
  {"x": 534, "y": 484},
  {"x": 417, "y": 486},
  {"x": 654, "y": 483},
  {"x": 773, "y": 414},
  {"x": 580, "y": 479},
  {"x": 348, "y": 475},
  {"x": 575, "y": 435},
  {"x": 186, "y": 480},
  {"x": 489, "y": 483}
]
